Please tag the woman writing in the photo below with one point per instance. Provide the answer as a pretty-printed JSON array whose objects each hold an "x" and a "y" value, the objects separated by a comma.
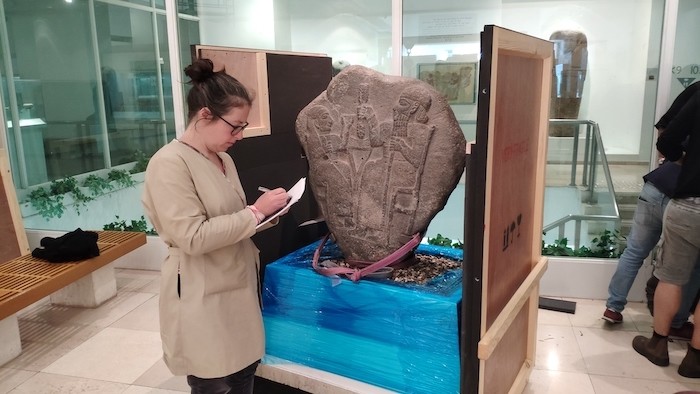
[{"x": 210, "y": 319}]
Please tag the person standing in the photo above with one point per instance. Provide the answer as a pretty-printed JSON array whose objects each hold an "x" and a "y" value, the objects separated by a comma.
[
  {"x": 680, "y": 240},
  {"x": 210, "y": 309},
  {"x": 659, "y": 186}
]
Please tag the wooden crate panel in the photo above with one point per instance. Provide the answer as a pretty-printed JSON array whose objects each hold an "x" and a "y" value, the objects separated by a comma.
[
  {"x": 504, "y": 209},
  {"x": 250, "y": 68},
  {"x": 514, "y": 162}
]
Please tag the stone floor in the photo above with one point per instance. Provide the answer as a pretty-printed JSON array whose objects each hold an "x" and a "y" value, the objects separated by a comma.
[{"x": 116, "y": 348}]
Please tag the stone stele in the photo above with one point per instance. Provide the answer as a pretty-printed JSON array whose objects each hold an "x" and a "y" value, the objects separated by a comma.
[{"x": 384, "y": 154}]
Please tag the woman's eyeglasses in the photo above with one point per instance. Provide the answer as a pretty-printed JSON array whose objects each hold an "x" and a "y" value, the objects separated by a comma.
[{"x": 234, "y": 129}]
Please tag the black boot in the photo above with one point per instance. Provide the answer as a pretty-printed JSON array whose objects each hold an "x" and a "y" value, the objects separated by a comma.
[
  {"x": 655, "y": 349},
  {"x": 690, "y": 366}
]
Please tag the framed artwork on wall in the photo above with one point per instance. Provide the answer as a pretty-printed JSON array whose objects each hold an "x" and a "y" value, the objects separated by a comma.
[{"x": 456, "y": 81}]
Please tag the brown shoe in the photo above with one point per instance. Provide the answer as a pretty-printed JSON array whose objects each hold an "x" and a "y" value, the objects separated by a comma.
[
  {"x": 690, "y": 366},
  {"x": 684, "y": 333},
  {"x": 612, "y": 316},
  {"x": 655, "y": 349}
]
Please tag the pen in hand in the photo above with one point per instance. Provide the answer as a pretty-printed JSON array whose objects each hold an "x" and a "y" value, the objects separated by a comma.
[{"x": 265, "y": 190}]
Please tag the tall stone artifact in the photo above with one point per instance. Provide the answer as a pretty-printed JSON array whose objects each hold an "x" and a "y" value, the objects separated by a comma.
[
  {"x": 384, "y": 154},
  {"x": 569, "y": 74}
]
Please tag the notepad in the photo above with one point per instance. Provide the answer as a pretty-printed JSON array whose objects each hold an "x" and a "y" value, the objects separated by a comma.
[{"x": 294, "y": 193}]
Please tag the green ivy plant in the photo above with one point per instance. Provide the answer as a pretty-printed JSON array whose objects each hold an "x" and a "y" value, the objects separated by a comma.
[
  {"x": 439, "y": 240},
  {"x": 50, "y": 202},
  {"x": 48, "y": 205},
  {"x": 70, "y": 185},
  {"x": 97, "y": 185},
  {"x": 605, "y": 245},
  {"x": 121, "y": 178},
  {"x": 134, "y": 225},
  {"x": 141, "y": 162}
]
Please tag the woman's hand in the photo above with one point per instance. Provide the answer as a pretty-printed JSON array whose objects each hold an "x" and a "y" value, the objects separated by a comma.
[{"x": 271, "y": 201}]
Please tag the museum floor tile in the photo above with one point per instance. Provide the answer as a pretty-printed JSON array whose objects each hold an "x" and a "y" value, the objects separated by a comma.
[{"x": 116, "y": 349}]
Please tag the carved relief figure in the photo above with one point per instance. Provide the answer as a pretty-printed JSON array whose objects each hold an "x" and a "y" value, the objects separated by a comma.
[
  {"x": 410, "y": 137},
  {"x": 366, "y": 149},
  {"x": 367, "y": 138},
  {"x": 334, "y": 156}
]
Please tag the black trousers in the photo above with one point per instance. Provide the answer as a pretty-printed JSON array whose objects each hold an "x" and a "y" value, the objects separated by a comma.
[{"x": 240, "y": 382}]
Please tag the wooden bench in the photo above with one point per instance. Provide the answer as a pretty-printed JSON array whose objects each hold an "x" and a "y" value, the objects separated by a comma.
[{"x": 87, "y": 283}]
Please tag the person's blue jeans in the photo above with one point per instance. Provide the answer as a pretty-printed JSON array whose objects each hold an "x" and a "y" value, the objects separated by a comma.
[
  {"x": 644, "y": 235},
  {"x": 240, "y": 382}
]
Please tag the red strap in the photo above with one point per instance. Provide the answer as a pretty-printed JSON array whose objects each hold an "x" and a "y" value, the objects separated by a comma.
[{"x": 355, "y": 274}]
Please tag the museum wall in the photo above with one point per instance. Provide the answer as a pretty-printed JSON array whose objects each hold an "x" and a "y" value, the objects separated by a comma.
[{"x": 618, "y": 44}]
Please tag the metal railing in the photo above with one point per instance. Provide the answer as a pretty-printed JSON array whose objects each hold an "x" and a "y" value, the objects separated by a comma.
[
  {"x": 593, "y": 147},
  {"x": 578, "y": 221}
]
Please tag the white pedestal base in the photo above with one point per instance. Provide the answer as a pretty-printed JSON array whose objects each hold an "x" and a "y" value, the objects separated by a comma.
[
  {"x": 10, "y": 346},
  {"x": 90, "y": 291}
]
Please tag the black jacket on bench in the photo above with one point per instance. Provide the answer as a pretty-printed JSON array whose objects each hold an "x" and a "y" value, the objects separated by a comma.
[{"x": 73, "y": 246}]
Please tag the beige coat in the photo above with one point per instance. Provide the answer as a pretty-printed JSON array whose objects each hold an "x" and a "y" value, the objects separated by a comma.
[{"x": 214, "y": 327}]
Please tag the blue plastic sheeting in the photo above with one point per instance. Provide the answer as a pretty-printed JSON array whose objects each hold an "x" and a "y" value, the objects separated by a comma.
[{"x": 403, "y": 337}]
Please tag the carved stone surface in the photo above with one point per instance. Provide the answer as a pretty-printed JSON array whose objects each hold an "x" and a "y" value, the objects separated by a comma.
[{"x": 384, "y": 153}]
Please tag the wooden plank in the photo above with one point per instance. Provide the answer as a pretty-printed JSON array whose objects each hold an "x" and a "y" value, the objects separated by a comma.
[
  {"x": 498, "y": 329},
  {"x": 250, "y": 68},
  {"x": 26, "y": 279},
  {"x": 14, "y": 238},
  {"x": 500, "y": 371},
  {"x": 504, "y": 206},
  {"x": 222, "y": 48}
]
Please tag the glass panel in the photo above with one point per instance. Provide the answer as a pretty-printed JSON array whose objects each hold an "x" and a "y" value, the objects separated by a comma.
[
  {"x": 189, "y": 35},
  {"x": 160, "y": 4},
  {"x": 579, "y": 193},
  {"x": 140, "y": 2},
  {"x": 357, "y": 32},
  {"x": 441, "y": 46},
  {"x": 130, "y": 85},
  {"x": 53, "y": 80},
  {"x": 188, "y": 7}
]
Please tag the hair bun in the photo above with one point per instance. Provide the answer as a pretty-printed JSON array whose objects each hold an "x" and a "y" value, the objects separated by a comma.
[{"x": 200, "y": 70}]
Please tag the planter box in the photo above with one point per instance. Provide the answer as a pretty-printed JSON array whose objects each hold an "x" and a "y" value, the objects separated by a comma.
[{"x": 585, "y": 277}]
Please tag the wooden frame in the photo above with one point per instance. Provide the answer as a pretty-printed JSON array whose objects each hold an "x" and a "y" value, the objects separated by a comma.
[
  {"x": 505, "y": 175},
  {"x": 14, "y": 237},
  {"x": 456, "y": 81},
  {"x": 250, "y": 68}
]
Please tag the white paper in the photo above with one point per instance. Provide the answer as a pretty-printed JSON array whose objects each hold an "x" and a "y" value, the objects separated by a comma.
[{"x": 294, "y": 193}]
